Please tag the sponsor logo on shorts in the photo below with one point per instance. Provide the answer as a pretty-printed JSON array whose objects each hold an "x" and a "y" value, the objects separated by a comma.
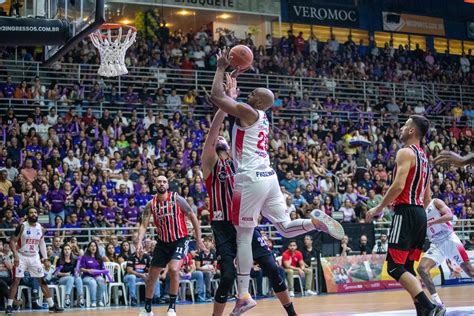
[
  {"x": 263, "y": 174},
  {"x": 247, "y": 219}
]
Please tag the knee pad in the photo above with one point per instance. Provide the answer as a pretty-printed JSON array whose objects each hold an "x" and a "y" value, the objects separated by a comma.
[
  {"x": 271, "y": 270},
  {"x": 410, "y": 267},
  {"x": 395, "y": 270}
]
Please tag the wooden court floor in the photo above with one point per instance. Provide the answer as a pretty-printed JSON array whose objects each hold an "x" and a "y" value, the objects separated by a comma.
[{"x": 389, "y": 301}]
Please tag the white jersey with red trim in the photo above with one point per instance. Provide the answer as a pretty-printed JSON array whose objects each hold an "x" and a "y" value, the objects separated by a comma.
[
  {"x": 250, "y": 145},
  {"x": 437, "y": 233},
  {"x": 28, "y": 244}
]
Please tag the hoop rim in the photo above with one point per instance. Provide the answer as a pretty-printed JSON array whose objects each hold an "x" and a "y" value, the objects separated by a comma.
[{"x": 111, "y": 26}]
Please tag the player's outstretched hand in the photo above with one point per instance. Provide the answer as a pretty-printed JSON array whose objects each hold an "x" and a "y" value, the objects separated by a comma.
[
  {"x": 230, "y": 86},
  {"x": 223, "y": 58},
  {"x": 450, "y": 157}
]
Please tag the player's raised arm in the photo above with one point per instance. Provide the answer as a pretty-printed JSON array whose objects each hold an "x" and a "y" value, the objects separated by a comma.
[
  {"x": 244, "y": 112},
  {"x": 209, "y": 155},
  {"x": 403, "y": 160},
  {"x": 455, "y": 159},
  {"x": 188, "y": 211},
  {"x": 143, "y": 226}
]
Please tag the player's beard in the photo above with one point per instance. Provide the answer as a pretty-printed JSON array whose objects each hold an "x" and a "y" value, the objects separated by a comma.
[
  {"x": 161, "y": 190},
  {"x": 32, "y": 219}
]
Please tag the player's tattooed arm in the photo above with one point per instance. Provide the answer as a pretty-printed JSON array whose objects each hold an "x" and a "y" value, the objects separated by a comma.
[{"x": 184, "y": 205}]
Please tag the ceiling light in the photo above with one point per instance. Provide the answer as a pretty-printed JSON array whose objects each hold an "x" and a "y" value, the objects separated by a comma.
[
  {"x": 184, "y": 12},
  {"x": 225, "y": 16}
]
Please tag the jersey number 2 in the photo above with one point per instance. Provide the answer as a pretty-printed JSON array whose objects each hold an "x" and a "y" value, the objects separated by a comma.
[{"x": 262, "y": 141}]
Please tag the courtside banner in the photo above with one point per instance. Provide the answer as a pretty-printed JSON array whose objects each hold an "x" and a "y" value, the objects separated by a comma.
[
  {"x": 30, "y": 31},
  {"x": 409, "y": 23},
  {"x": 361, "y": 273},
  {"x": 453, "y": 273}
]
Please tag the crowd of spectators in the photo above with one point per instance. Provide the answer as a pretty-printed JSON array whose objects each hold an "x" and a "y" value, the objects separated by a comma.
[{"x": 292, "y": 54}]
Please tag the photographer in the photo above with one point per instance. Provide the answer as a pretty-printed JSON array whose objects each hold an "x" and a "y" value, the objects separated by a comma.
[{"x": 381, "y": 245}]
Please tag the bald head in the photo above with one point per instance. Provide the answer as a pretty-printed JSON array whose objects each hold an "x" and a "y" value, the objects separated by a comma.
[{"x": 261, "y": 99}]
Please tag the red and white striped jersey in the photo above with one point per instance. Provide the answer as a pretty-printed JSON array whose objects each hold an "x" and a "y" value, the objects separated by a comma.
[
  {"x": 219, "y": 185},
  {"x": 439, "y": 232},
  {"x": 416, "y": 181},
  {"x": 250, "y": 145},
  {"x": 168, "y": 218}
]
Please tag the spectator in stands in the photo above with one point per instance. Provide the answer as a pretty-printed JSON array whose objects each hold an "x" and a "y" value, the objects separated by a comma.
[
  {"x": 292, "y": 261},
  {"x": 381, "y": 245},
  {"x": 5, "y": 184},
  {"x": 69, "y": 277},
  {"x": 91, "y": 266},
  {"x": 310, "y": 254},
  {"x": 55, "y": 202},
  {"x": 173, "y": 101},
  {"x": 344, "y": 248},
  {"x": 138, "y": 266},
  {"x": 110, "y": 255},
  {"x": 363, "y": 248},
  {"x": 188, "y": 272},
  {"x": 206, "y": 262},
  {"x": 57, "y": 247},
  {"x": 349, "y": 214},
  {"x": 6, "y": 267}
]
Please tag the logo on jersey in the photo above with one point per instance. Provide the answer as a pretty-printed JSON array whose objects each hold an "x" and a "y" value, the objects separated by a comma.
[
  {"x": 28, "y": 232},
  {"x": 222, "y": 176}
]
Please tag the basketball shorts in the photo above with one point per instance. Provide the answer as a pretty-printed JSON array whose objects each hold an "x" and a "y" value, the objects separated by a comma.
[
  {"x": 226, "y": 245},
  {"x": 166, "y": 251},
  {"x": 258, "y": 192},
  {"x": 31, "y": 264},
  {"x": 407, "y": 233},
  {"x": 451, "y": 248}
]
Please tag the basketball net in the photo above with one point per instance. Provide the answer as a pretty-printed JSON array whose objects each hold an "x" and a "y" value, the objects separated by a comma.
[{"x": 112, "y": 48}]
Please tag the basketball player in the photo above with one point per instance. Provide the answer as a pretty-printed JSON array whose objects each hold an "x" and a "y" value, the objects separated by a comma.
[
  {"x": 256, "y": 186},
  {"x": 29, "y": 237},
  {"x": 168, "y": 210},
  {"x": 445, "y": 244},
  {"x": 409, "y": 193},
  {"x": 218, "y": 170},
  {"x": 455, "y": 159}
]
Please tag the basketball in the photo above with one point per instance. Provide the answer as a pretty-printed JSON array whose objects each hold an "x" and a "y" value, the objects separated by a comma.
[{"x": 242, "y": 57}]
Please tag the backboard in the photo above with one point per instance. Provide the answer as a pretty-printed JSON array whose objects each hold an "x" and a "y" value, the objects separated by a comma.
[{"x": 84, "y": 16}]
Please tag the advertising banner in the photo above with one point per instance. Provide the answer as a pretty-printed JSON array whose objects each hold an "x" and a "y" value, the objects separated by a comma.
[
  {"x": 31, "y": 31},
  {"x": 306, "y": 12},
  {"x": 409, "y": 23},
  {"x": 452, "y": 272},
  {"x": 361, "y": 273}
]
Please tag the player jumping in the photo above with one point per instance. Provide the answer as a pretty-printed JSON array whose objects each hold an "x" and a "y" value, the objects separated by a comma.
[
  {"x": 256, "y": 186},
  {"x": 445, "y": 244},
  {"x": 218, "y": 170}
]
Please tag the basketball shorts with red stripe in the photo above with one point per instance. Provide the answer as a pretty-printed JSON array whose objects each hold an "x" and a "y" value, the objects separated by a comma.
[
  {"x": 255, "y": 193},
  {"x": 451, "y": 248},
  {"x": 407, "y": 233}
]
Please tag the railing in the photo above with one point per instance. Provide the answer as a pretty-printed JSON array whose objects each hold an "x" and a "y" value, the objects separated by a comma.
[
  {"x": 343, "y": 90},
  {"x": 462, "y": 227}
]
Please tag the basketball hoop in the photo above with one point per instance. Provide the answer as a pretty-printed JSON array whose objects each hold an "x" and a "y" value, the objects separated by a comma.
[{"x": 112, "y": 44}]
